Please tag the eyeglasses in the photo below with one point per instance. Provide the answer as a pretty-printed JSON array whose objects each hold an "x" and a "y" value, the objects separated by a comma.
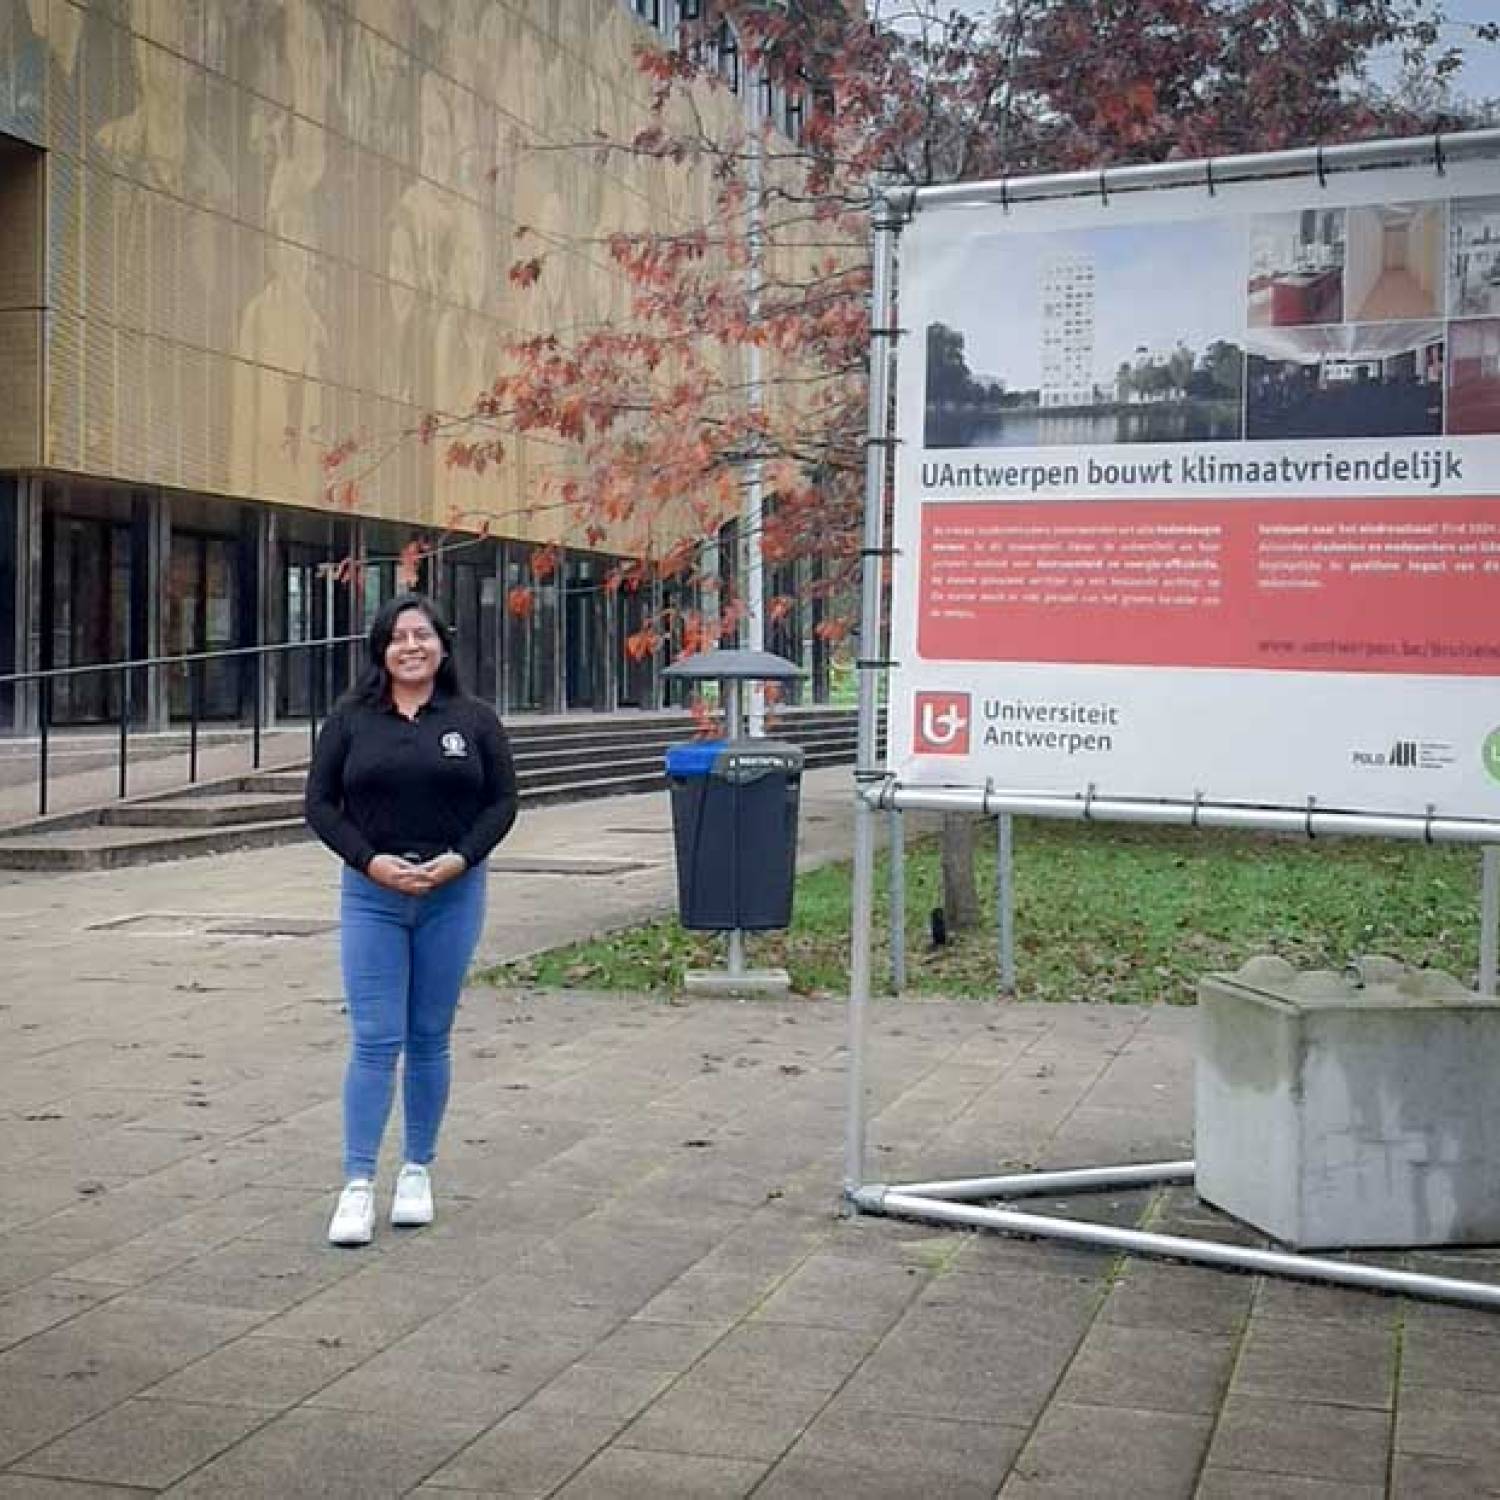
[{"x": 414, "y": 638}]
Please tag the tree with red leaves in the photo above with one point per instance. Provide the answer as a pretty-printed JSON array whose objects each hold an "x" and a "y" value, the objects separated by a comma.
[{"x": 658, "y": 420}]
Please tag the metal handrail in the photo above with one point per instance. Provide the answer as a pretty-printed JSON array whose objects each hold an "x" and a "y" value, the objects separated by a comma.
[
  {"x": 194, "y": 662},
  {"x": 138, "y": 663}
]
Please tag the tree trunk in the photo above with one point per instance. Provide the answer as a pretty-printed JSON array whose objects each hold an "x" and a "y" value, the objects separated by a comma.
[{"x": 960, "y": 889}]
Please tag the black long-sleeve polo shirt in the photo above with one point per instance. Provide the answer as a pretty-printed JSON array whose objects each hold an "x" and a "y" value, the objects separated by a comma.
[{"x": 381, "y": 783}]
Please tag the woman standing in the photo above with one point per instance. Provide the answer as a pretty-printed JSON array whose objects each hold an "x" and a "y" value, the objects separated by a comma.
[{"x": 412, "y": 785}]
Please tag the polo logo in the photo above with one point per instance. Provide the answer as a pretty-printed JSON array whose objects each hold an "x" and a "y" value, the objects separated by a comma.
[{"x": 455, "y": 746}]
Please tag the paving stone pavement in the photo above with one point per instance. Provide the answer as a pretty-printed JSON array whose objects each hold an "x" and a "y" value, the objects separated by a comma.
[{"x": 639, "y": 1283}]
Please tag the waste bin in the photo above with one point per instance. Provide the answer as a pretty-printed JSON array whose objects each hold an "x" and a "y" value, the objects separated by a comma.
[{"x": 734, "y": 819}]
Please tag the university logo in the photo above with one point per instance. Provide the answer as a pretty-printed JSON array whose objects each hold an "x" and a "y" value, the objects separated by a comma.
[
  {"x": 942, "y": 724},
  {"x": 1490, "y": 753},
  {"x": 1402, "y": 753},
  {"x": 455, "y": 746}
]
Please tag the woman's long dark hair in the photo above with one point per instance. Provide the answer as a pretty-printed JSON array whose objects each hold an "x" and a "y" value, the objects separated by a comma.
[{"x": 374, "y": 685}]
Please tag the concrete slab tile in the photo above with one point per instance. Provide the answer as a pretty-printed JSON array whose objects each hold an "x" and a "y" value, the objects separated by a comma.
[
  {"x": 1150, "y": 1370},
  {"x": 761, "y": 1356},
  {"x": 346, "y": 1455},
  {"x": 43, "y": 1305},
  {"x": 263, "y": 1373},
  {"x": 148, "y": 1444},
  {"x": 1450, "y": 1424},
  {"x": 1318, "y": 1361},
  {"x": 828, "y": 1291},
  {"x": 649, "y": 1345},
  {"x": 1187, "y": 1299},
  {"x": 370, "y": 1309},
  {"x": 842, "y": 1453},
  {"x": 1142, "y": 1453},
  {"x": 1423, "y": 1477},
  {"x": 623, "y": 1474},
  {"x": 712, "y": 1300},
  {"x": 1239, "y": 1484},
  {"x": 601, "y": 1391},
  {"x": 702, "y": 1418},
  {"x": 1345, "y": 1443},
  {"x": 34, "y": 1487},
  {"x": 1440, "y": 1354},
  {"x": 1005, "y": 1379},
  {"x": 530, "y": 1453}
]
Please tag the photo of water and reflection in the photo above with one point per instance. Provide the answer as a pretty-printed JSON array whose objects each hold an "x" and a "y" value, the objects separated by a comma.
[{"x": 1035, "y": 427}]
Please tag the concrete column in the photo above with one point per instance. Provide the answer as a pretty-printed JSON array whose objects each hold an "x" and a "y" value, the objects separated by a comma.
[{"x": 21, "y": 589}]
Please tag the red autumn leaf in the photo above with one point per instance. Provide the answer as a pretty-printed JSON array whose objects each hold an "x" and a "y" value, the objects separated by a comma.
[{"x": 525, "y": 273}]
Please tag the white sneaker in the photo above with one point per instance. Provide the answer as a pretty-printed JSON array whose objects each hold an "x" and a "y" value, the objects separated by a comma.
[
  {"x": 354, "y": 1219},
  {"x": 413, "y": 1201}
]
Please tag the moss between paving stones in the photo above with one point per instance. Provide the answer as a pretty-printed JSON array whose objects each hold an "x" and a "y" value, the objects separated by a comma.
[{"x": 1124, "y": 916}]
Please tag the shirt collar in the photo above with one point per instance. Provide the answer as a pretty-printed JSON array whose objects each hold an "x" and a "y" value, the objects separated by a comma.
[{"x": 439, "y": 697}]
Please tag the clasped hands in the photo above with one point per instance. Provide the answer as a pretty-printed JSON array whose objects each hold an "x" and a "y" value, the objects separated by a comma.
[{"x": 397, "y": 874}]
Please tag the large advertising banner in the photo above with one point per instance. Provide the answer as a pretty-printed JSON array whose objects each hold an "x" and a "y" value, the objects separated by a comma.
[{"x": 1198, "y": 494}]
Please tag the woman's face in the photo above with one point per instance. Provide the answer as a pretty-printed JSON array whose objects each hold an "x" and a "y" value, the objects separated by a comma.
[{"x": 415, "y": 651}]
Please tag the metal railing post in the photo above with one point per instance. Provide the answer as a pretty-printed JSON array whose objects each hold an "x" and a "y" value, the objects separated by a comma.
[
  {"x": 260, "y": 664},
  {"x": 312, "y": 697},
  {"x": 195, "y": 693},
  {"x": 124, "y": 727},
  {"x": 44, "y": 713}
]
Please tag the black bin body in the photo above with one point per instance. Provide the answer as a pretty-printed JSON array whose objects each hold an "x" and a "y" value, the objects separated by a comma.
[{"x": 734, "y": 818}]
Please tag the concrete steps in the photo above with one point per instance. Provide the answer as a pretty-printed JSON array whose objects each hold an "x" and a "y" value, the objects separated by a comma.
[{"x": 558, "y": 760}]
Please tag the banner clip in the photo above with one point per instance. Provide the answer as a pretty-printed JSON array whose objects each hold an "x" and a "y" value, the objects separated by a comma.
[
  {"x": 1322, "y": 167},
  {"x": 1307, "y": 822},
  {"x": 1439, "y": 161}
]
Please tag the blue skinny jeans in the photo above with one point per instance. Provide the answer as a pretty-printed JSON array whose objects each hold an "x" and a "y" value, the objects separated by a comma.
[{"x": 404, "y": 961}]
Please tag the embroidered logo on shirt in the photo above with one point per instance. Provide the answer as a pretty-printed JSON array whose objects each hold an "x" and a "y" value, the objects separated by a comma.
[{"x": 455, "y": 746}]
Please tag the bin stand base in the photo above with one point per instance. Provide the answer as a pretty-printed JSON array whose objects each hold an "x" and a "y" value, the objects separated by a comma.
[{"x": 748, "y": 984}]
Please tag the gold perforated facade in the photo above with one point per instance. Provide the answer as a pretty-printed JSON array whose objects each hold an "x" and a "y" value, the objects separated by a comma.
[
  {"x": 234, "y": 233},
  {"x": 275, "y": 224}
]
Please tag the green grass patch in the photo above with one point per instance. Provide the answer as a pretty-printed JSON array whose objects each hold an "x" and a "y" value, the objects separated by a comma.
[{"x": 1125, "y": 916}]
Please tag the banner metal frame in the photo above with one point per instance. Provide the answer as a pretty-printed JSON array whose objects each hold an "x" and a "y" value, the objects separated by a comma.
[{"x": 964, "y": 1201}]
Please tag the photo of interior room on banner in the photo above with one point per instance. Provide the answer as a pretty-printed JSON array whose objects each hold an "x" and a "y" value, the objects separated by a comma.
[
  {"x": 1297, "y": 268},
  {"x": 1345, "y": 381},
  {"x": 1475, "y": 285},
  {"x": 1041, "y": 340}
]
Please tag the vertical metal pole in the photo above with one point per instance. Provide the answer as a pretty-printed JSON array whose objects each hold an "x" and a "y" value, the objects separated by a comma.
[
  {"x": 1489, "y": 919},
  {"x": 1005, "y": 901},
  {"x": 863, "y": 896},
  {"x": 312, "y": 697},
  {"x": 124, "y": 727},
  {"x": 195, "y": 688},
  {"x": 44, "y": 716},
  {"x": 732, "y": 729},
  {"x": 896, "y": 853},
  {"x": 260, "y": 666},
  {"x": 752, "y": 511}
]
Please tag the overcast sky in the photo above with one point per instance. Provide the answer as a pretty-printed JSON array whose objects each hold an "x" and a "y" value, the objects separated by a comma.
[{"x": 1479, "y": 79}]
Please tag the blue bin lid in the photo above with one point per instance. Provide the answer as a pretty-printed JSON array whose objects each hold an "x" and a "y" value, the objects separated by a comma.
[{"x": 696, "y": 758}]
